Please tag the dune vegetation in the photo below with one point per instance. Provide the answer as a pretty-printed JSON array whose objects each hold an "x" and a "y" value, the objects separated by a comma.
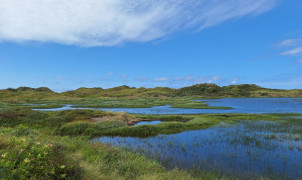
[
  {"x": 198, "y": 90},
  {"x": 130, "y": 97},
  {"x": 57, "y": 144}
]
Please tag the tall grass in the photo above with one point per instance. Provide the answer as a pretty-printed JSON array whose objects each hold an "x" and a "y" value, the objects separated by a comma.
[{"x": 26, "y": 135}]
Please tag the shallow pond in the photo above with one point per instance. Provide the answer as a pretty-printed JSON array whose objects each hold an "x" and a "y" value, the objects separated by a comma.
[
  {"x": 239, "y": 105},
  {"x": 247, "y": 149},
  {"x": 147, "y": 123},
  {"x": 258, "y": 105}
]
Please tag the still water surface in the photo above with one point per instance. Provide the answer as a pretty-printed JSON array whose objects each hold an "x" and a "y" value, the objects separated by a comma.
[
  {"x": 239, "y": 105},
  {"x": 247, "y": 149},
  {"x": 147, "y": 123}
]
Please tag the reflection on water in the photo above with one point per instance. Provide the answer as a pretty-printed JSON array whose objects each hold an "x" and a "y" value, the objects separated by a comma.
[
  {"x": 147, "y": 122},
  {"x": 259, "y": 105},
  {"x": 239, "y": 105},
  {"x": 247, "y": 149},
  {"x": 65, "y": 107}
]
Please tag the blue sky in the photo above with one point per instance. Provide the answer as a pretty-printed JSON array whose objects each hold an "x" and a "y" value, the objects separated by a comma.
[{"x": 102, "y": 43}]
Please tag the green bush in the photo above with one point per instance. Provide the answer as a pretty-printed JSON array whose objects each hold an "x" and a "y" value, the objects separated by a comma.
[
  {"x": 16, "y": 116},
  {"x": 100, "y": 127},
  {"x": 73, "y": 129},
  {"x": 22, "y": 130},
  {"x": 55, "y": 121},
  {"x": 33, "y": 160},
  {"x": 89, "y": 129}
]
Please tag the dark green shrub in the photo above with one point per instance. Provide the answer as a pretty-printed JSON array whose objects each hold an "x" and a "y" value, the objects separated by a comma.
[
  {"x": 89, "y": 129},
  {"x": 16, "y": 116},
  {"x": 54, "y": 121},
  {"x": 22, "y": 130},
  {"x": 25, "y": 159},
  {"x": 99, "y": 127},
  {"x": 74, "y": 129}
]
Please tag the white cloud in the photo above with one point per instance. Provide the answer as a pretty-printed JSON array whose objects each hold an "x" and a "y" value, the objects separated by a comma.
[
  {"x": 59, "y": 77},
  {"x": 100, "y": 79},
  {"x": 182, "y": 81},
  {"x": 109, "y": 74},
  {"x": 213, "y": 79},
  {"x": 186, "y": 78},
  {"x": 124, "y": 77},
  {"x": 296, "y": 48},
  {"x": 141, "y": 79},
  {"x": 299, "y": 61},
  {"x": 112, "y": 22},
  {"x": 290, "y": 82},
  {"x": 292, "y": 52},
  {"x": 161, "y": 79},
  {"x": 205, "y": 79},
  {"x": 235, "y": 80},
  {"x": 289, "y": 42}
]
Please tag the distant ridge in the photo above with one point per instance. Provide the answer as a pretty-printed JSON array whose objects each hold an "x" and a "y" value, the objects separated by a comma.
[{"x": 200, "y": 90}]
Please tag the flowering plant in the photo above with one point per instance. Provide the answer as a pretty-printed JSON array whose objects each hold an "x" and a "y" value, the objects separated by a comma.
[{"x": 30, "y": 160}]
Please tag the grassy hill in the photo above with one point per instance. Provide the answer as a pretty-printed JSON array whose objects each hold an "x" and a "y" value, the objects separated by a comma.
[
  {"x": 198, "y": 90},
  {"x": 243, "y": 90}
]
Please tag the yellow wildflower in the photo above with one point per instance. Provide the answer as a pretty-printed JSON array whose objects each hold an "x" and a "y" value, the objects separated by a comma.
[
  {"x": 22, "y": 139},
  {"x": 26, "y": 160}
]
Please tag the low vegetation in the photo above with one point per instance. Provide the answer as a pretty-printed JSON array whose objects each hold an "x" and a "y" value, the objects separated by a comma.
[
  {"x": 127, "y": 97},
  {"x": 25, "y": 94},
  {"x": 56, "y": 145}
]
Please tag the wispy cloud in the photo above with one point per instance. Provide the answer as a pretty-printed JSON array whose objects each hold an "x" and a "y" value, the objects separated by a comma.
[
  {"x": 291, "y": 48},
  {"x": 112, "y": 22},
  {"x": 100, "y": 79},
  {"x": 202, "y": 79},
  {"x": 292, "y": 52},
  {"x": 299, "y": 61},
  {"x": 234, "y": 80},
  {"x": 289, "y": 42},
  {"x": 161, "y": 79},
  {"x": 186, "y": 78},
  {"x": 290, "y": 82},
  {"x": 141, "y": 79},
  {"x": 190, "y": 80},
  {"x": 182, "y": 81},
  {"x": 124, "y": 77},
  {"x": 109, "y": 74},
  {"x": 59, "y": 77}
]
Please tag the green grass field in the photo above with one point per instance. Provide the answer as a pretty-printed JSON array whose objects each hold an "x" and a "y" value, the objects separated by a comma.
[{"x": 55, "y": 145}]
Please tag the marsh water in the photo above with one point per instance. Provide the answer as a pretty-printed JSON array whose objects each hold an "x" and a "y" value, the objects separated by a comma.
[
  {"x": 239, "y": 105},
  {"x": 147, "y": 123},
  {"x": 246, "y": 149},
  {"x": 259, "y": 105}
]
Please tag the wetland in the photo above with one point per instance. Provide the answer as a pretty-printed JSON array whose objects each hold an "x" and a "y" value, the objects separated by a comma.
[{"x": 198, "y": 132}]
